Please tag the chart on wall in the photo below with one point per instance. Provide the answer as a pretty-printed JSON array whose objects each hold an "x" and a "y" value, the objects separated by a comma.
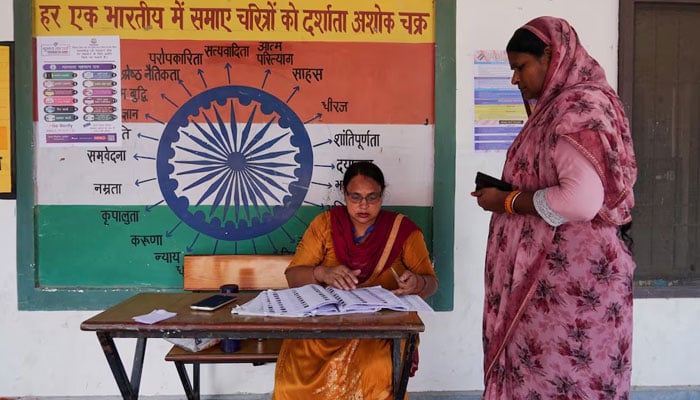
[
  {"x": 166, "y": 128},
  {"x": 499, "y": 113}
]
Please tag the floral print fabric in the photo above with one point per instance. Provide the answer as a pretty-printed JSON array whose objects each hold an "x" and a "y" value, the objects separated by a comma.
[{"x": 558, "y": 300}]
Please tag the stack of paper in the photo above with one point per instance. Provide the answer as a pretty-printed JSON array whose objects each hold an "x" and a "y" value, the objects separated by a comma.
[
  {"x": 154, "y": 316},
  {"x": 316, "y": 300}
]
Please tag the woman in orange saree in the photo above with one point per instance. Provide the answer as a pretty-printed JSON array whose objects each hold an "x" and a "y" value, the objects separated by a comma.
[{"x": 344, "y": 248}]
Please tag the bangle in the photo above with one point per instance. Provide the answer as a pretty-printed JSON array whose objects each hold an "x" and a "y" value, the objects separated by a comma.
[
  {"x": 512, "y": 202},
  {"x": 508, "y": 202}
]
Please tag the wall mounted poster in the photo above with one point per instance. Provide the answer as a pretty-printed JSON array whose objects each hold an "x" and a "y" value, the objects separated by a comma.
[
  {"x": 499, "y": 112},
  {"x": 7, "y": 163},
  {"x": 219, "y": 127},
  {"x": 79, "y": 90}
]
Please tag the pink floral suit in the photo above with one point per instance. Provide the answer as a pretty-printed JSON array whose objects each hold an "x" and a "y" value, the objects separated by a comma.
[{"x": 558, "y": 300}]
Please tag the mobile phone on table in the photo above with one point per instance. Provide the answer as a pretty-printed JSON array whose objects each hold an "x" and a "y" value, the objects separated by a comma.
[
  {"x": 213, "y": 302},
  {"x": 484, "y": 181}
]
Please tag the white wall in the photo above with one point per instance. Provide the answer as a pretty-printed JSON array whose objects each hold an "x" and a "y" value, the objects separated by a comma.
[{"x": 45, "y": 353}]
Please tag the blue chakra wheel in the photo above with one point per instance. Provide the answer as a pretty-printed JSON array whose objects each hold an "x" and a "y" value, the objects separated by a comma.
[{"x": 227, "y": 176}]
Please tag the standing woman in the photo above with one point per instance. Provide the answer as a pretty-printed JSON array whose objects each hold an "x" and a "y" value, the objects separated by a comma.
[
  {"x": 346, "y": 247},
  {"x": 558, "y": 297}
]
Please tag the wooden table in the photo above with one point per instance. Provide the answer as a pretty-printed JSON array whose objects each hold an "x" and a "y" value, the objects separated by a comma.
[{"x": 117, "y": 322}]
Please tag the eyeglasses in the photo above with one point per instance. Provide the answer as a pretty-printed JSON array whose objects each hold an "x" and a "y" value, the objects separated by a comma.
[{"x": 357, "y": 198}]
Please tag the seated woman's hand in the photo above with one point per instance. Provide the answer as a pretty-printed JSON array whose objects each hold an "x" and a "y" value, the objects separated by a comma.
[
  {"x": 339, "y": 276},
  {"x": 410, "y": 283}
]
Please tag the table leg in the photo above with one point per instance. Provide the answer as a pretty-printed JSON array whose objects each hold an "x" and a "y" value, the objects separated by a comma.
[
  {"x": 129, "y": 388},
  {"x": 195, "y": 378},
  {"x": 395, "y": 363},
  {"x": 137, "y": 367},
  {"x": 184, "y": 378},
  {"x": 402, "y": 372}
]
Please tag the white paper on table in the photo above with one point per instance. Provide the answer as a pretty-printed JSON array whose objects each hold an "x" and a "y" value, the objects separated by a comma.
[
  {"x": 258, "y": 306},
  {"x": 154, "y": 316},
  {"x": 314, "y": 299},
  {"x": 367, "y": 299},
  {"x": 415, "y": 303},
  {"x": 299, "y": 301}
]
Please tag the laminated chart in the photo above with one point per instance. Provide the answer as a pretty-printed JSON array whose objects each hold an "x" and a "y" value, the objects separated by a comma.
[
  {"x": 78, "y": 99},
  {"x": 499, "y": 113},
  {"x": 167, "y": 128}
]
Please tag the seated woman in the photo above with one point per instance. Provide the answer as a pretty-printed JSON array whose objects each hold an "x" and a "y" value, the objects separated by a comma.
[{"x": 345, "y": 248}]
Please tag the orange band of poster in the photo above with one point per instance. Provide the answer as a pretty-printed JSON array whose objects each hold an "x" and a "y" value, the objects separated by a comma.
[{"x": 355, "y": 83}]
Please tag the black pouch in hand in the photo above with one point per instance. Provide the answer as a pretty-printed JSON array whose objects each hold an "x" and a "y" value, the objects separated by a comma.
[{"x": 484, "y": 181}]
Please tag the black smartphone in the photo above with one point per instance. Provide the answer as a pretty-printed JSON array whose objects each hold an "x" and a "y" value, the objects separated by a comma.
[
  {"x": 211, "y": 303},
  {"x": 484, "y": 180}
]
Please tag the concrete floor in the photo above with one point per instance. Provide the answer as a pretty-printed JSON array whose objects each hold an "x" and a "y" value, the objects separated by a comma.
[{"x": 670, "y": 393}]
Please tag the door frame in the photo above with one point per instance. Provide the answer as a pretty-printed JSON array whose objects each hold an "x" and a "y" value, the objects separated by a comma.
[{"x": 625, "y": 91}]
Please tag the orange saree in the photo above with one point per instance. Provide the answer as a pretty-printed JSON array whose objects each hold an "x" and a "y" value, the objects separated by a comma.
[{"x": 339, "y": 369}]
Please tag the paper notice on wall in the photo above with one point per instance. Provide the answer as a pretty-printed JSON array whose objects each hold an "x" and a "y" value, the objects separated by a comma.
[
  {"x": 79, "y": 90},
  {"x": 499, "y": 113}
]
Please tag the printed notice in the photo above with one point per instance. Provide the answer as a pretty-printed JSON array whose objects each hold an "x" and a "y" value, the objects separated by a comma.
[
  {"x": 499, "y": 113},
  {"x": 79, "y": 90},
  {"x": 6, "y": 163}
]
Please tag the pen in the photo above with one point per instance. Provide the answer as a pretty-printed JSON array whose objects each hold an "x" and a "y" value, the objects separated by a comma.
[{"x": 396, "y": 275}]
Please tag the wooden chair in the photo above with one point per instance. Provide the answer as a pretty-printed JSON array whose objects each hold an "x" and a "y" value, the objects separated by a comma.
[{"x": 208, "y": 273}]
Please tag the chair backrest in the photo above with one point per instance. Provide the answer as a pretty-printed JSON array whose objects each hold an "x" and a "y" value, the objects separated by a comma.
[{"x": 249, "y": 272}]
